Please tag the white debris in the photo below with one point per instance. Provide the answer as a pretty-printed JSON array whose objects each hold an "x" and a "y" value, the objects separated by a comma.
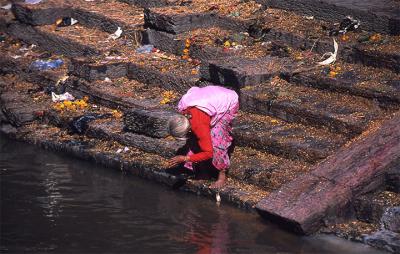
[
  {"x": 62, "y": 97},
  {"x": 73, "y": 21},
  {"x": 107, "y": 79},
  {"x": 332, "y": 56},
  {"x": 266, "y": 43},
  {"x": 6, "y": 7},
  {"x": 309, "y": 17},
  {"x": 218, "y": 197},
  {"x": 126, "y": 149},
  {"x": 116, "y": 35},
  {"x": 62, "y": 80}
]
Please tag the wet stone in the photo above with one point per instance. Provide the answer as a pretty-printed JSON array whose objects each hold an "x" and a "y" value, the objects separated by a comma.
[
  {"x": 370, "y": 208},
  {"x": 384, "y": 239}
]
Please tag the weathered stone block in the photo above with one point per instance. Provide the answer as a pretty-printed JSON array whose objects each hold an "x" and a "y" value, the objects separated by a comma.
[
  {"x": 39, "y": 17},
  {"x": 178, "y": 22},
  {"x": 239, "y": 72},
  {"x": 152, "y": 76},
  {"x": 51, "y": 42},
  {"x": 303, "y": 204},
  {"x": 374, "y": 15},
  {"x": 153, "y": 123},
  {"x": 384, "y": 239},
  {"x": 391, "y": 219},
  {"x": 310, "y": 106},
  {"x": 91, "y": 71}
]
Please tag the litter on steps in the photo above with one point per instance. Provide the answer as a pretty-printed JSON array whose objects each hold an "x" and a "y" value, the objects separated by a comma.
[
  {"x": 332, "y": 56},
  {"x": 116, "y": 35},
  {"x": 62, "y": 97}
]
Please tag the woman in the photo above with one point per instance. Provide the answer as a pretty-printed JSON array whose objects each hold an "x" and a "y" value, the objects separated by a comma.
[{"x": 208, "y": 113}]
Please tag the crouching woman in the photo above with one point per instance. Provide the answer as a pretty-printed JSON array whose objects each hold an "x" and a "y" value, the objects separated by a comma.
[{"x": 207, "y": 113}]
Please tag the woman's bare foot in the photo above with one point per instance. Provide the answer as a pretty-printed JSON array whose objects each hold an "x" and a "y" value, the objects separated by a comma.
[{"x": 220, "y": 181}]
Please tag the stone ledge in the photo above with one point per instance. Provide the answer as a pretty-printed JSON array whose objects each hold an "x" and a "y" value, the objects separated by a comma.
[
  {"x": 239, "y": 72},
  {"x": 305, "y": 203},
  {"x": 375, "y": 15}
]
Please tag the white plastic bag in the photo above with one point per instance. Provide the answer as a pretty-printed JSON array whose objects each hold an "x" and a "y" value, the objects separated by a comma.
[
  {"x": 332, "y": 56},
  {"x": 62, "y": 97}
]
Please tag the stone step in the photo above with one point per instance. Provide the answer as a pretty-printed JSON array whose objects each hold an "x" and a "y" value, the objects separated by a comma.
[
  {"x": 293, "y": 141},
  {"x": 346, "y": 114},
  {"x": 153, "y": 123},
  {"x": 289, "y": 140},
  {"x": 151, "y": 3},
  {"x": 375, "y": 15},
  {"x": 136, "y": 162},
  {"x": 325, "y": 194},
  {"x": 72, "y": 44},
  {"x": 287, "y": 37},
  {"x": 17, "y": 58},
  {"x": 208, "y": 43},
  {"x": 370, "y": 208},
  {"x": 275, "y": 136},
  {"x": 236, "y": 15},
  {"x": 123, "y": 93},
  {"x": 16, "y": 102},
  {"x": 248, "y": 165},
  {"x": 393, "y": 178},
  {"x": 88, "y": 13},
  {"x": 355, "y": 79},
  {"x": 238, "y": 72},
  {"x": 297, "y": 31},
  {"x": 95, "y": 56}
]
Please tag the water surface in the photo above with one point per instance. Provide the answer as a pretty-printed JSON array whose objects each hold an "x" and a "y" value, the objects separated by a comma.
[{"x": 53, "y": 203}]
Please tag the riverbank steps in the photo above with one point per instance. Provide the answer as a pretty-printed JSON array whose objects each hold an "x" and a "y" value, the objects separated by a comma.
[{"x": 317, "y": 147}]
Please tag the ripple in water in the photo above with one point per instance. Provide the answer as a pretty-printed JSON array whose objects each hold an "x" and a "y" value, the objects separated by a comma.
[{"x": 56, "y": 204}]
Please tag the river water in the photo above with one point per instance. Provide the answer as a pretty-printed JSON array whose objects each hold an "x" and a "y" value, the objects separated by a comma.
[{"x": 56, "y": 204}]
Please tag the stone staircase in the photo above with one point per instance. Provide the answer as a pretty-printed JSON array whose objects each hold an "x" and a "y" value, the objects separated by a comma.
[{"x": 294, "y": 115}]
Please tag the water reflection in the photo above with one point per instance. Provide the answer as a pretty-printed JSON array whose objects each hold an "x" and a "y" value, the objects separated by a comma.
[{"x": 53, "y": 203}]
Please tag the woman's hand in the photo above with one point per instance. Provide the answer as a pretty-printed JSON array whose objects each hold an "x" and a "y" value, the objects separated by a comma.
[{"x": 175, "y": 161}]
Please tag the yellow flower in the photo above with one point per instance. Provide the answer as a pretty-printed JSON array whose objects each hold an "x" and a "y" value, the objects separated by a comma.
[
  {"x": 375, "y": 37},
  {"x": 332, "y": 74},
  {"x": 67, "y": 103},
  {"x": 345, "y": 37},
  {"x": 116, "y": 113}
]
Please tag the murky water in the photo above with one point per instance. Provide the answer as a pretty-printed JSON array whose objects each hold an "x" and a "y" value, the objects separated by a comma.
[{"x": 55, "y": 204}]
